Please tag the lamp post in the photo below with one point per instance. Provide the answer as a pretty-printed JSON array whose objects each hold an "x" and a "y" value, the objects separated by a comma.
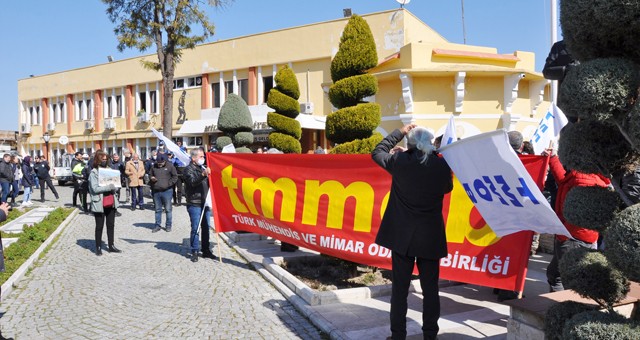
[{"x": 46, "y": 138}]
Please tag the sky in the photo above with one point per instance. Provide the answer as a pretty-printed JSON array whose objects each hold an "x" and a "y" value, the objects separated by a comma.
[{"x": 43, "y": 36}]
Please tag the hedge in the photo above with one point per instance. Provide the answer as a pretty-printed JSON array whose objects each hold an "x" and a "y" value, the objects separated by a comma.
[
  {"x": 235, "y": 115},
  {"x": 357, "y": 50},
  {"x": 601, "y": 326},
  {"x": 601, "y": 28},
  {"x": 284, "y": 143},
  {"x": 243, "y": 149},
  {"x": 30, "y": 240},
  {"x": 350, "y": 91},
  {"x": 601, "y": 89},
  {"x": 592, "y": 147},
  {"x": 243, "y": 139},
  {"x": 355, "y": 122},
  {"x": 633, "y": 125},
  {"x": 557, "y": 315},
  {"x": 589, "y": 274},
  {"x": 591, "y": 207},
  {"x": 358, "y": 146},
  {"x": 287, "y": 83},
  {"x": 622, "y": 241},
  {"x": 284, "y": 124},
  {"x": 283, "y": 104},
  {"x": 223, "y": 141}
]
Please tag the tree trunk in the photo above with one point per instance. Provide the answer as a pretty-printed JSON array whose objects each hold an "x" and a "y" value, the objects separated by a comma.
[{"x": 167, "y": 107}]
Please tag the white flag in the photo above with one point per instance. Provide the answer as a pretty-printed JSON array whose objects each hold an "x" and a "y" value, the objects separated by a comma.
[
  {"x": 229, "y": 148},
  {"x": 499, "y": 186},
  {"x": 548, "y": 129},
  {"x": 171, "y": 146},
  {"x": 449, "y": 135}
]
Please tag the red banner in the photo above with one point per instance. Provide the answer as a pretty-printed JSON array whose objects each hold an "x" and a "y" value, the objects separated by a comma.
[{"x": 334, "y": 204}]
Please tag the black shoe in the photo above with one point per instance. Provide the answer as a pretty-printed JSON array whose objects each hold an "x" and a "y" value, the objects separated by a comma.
[
  {"x": 208, "y": 255},
  {"x": 194, "y": 256},
  {"x": 133, "y": 207},
  {"x": 141, "y": 207},
  {"x": 168, "y": 229},
  {"x": 118, "y": 213},
  {"x": 156, "y": 229},
  {"x": 113, "y": 249},
  {"x": 504, "y": 295},
  {"x": 99, "y": 251}
]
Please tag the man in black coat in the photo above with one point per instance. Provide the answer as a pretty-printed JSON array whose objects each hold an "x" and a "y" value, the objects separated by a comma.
[
  {"x": 163, "y": 177},
  {"x": 41, "y": 169},
  {"x": 6, "y": 176},
  {"x": 196, "y": 180},
  {"x": 412, "y": 226}
]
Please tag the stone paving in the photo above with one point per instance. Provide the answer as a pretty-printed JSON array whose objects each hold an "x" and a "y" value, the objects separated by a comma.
[{"x": 150, "y": 291}]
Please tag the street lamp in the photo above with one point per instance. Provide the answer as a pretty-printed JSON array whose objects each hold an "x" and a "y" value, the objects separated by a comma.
[{"x": 46, "y": 138}]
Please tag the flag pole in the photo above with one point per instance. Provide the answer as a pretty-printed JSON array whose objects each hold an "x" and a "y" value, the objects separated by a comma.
[{"x": 554, "y": 38}]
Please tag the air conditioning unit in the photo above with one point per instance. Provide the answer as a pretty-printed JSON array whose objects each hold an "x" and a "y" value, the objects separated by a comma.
[
  {"x": 306, "y": 108},
  {"x": 88, "y": 125},
  {"x": 109, "y": 124},
  {"x": 25, "y": 128},
  {"x": 144, "y": 117},
  {"x": 51, "y": 126}
]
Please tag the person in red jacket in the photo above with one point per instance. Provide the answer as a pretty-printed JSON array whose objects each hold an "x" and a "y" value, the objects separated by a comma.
[{"x": 580, "y": 237}]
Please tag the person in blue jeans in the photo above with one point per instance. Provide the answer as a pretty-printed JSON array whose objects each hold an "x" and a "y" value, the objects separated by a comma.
[
  {"x": 6, "y": 176},
  {"x": 163, "y": 177},
  {"x": 196, "y": 180}
]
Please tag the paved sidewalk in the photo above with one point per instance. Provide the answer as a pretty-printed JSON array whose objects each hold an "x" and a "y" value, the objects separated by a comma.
[{"x": 149, "y": 291}]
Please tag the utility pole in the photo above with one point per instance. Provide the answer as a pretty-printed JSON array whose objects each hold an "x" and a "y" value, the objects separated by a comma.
[
  {"x": 554, "y": 38},
  {"x": 464, "y": 30}
]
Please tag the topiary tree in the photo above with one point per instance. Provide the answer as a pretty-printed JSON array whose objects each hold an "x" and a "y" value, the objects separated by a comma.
[
  {"x": 236, "y": 123},
  {"x": 603, "y": 93},
  {"x": 353, "y": 125},
  {"x": 284, "y": 99},
  {"x": 557, "y": 315}
]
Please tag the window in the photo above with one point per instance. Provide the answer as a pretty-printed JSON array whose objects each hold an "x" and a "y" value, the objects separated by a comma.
[
  {"x": 195, "y": 81},
  {"x": 88, "y": 110},
  {"x": 119, "y": 106},
  {"x": 185, "y": 83},
  {"x": 228, "y": 88},
  {"x": 178, "y": 84},
  {"x": 79, "y": 110},
  {"x": 267, "y": 85},
  {"x": 109, "y": 107},
  {"x": 194, "y": 141},
  {"x": 33, "y": 116},
  {"x": 143, "y": 101},
  {"x": 63, "y": 113},
  {"x": 152, "y": 101},
  {"x": 215, "y": 94},
  {"x": 38, "y": 116},
  {"x": 243, "y": 89}
]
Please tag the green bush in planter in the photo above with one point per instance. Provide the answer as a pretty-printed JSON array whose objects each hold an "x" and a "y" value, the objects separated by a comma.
[
  {"x": 591, "y": 207},
  {"x": 593, "y": 147},
  {"x": 558, "y": 314},
  {"x": 356, "y": 51},
  {"x": 287, "y": 83},
  {"x": 283, "y": 104},
  {"x": 284, "y": 99},
  {"x": 358, "y": 146},
  {"x": 601, "y": 89},
  {"x": 600, "y": 325},
  {"x": 243, "y": 138},
  {"x": 354, "y": 122},
  {"x": 589, "y": 274},
  {"x": 284, "y": 143},
  {"x": 284, "y": 124},
  {"x": 350, "y": 91},
  {"x": 235, "y": 115},
  {"x": 223, "y": 141},
  {"x": 622, "y": 240}
]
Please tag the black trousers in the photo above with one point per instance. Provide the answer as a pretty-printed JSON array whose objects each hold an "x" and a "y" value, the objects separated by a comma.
[
  {"x": 178, "y": 189},
  {"x": 429, "y": 271},
  {"x": 77, "y": 188},
  {"x": 50, "y": 185},
  {"x": 110, "y": 216}
]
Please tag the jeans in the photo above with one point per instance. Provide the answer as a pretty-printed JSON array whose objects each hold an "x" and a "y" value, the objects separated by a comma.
[
  {"x": 194, "y": 215},
  {"x": 163, "y": 199},
  {"x": 5, "y": 191},
  {"x": 15, "y": 190},
  {"x": 559, "y": 249},
  {"x": 137, "y": 197},
  {"x": 26, "y": 197},
  {"x": 36, "y": 181}
]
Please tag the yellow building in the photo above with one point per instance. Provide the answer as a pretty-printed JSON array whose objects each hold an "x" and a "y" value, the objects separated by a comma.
[{"x": 423, "y": 79}]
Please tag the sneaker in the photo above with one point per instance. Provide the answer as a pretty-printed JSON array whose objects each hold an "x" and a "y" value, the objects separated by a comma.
[
  {"x": 156, "y": 229},
  {"x": 194, "y": 256},
  {"x": 167, "y": 229}
]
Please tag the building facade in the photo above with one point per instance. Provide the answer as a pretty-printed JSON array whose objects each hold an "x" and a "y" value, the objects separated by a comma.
[{"x": 422, "y": 77}]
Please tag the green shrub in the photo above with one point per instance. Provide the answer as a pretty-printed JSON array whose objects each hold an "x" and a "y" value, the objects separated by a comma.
[
  {"x": 235, "y": 115},
  {"x": 358, "y": 146},
  {"x": 589, "y": 274},
  {"x": 284, "y": 143},
  {"x": 283, "y": 104},
  {"x": 622, "y": 241},
  {"x": 243, "y": 138},
  {"x": 632, "y": 125},
  {"x": 223, "y": 141},
  {"x": 593, "y": 147},
  {"x": 591, "y": 207},
  {"x": 601, "y": 29},
  {"x": 355, "y": 122},
  {"x": 558, "y": 314},
  {"x": 243, "y": 149},
  {"x": 350, "y": 91},
  {"x": 356, "y": 52},
  {"x": 599, "y": 325},
  {"x": 601, "y": 89},
  {"x": 284, "y": 124},
  {"x": 287, "y": 83}
]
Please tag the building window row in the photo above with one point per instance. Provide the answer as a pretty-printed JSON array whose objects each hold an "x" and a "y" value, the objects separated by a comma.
[
  {"x": 114, "y": 103},
  {"x": 187, "y": 83},
  {"x": 57, "y": 110}
]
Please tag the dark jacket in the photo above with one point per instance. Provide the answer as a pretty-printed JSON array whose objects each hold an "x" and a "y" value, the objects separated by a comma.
[
  {"x": 196, "y": 185},
  {"x": 166, "y": 177},
  {"x": 6, "y": 172},
  {"x": 412, "y": 223},
  {"x": 558, "y": 63},
  {"x": 27, "y": 179},
  {"x": 42, "y": 170},
  {"x": 629, "y": 184}
]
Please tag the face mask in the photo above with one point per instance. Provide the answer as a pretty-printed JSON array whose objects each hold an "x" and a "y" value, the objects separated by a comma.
[
  {"x": 103, "y": 164},
  {"x": 201, "y": 161},
  {"x": 154, "y": 157}
]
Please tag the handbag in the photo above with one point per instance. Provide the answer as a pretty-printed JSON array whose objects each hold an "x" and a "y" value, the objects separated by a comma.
[{"x": 107, "y": 201}]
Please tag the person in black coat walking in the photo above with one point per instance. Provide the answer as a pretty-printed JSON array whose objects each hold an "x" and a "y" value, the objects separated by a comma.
[
  {"x": 42, "y": 172},
  {"x": 412, "y": 226},
  {"x": 196, "y": 180}
]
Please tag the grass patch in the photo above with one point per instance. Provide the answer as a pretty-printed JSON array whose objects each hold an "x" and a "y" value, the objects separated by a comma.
[{"x": 29, "y": 240}]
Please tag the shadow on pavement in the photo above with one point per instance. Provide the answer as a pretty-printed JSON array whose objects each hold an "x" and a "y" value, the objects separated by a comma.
[
  {"x": 87, "y": 244},
  {"x": 144, "y": 225}
]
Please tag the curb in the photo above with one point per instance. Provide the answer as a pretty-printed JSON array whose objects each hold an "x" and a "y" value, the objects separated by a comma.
[
  {"x": 300, "y": 304},
  {"x": 7, "y": 286}
]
